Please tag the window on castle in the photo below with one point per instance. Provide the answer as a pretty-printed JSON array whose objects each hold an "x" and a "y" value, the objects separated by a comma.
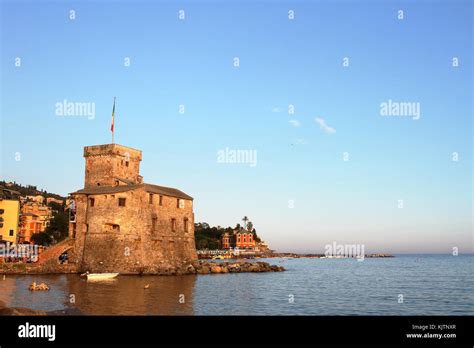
[
  {"x": 11, "y": 233},
  {"x": 186, "y": 225},
  {"x": 117, "y": 183},
  {"x": 121, "y": 202},
  {"x": 173, "y": 225},
  {"x": 91, "y": 202},
  {"x": 181, "y": 203},
  {"x": 111, "y": 228},
  {"x": 177, "y": 203},
  {"x": 154, "y": 221},
  {"x": 150, "y": 199},
  {"x": 126, "y": 164},
  {"x": 161, "y": 200}
]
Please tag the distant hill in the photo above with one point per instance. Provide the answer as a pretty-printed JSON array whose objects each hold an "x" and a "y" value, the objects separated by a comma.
[{"x": 29, "y": 190}]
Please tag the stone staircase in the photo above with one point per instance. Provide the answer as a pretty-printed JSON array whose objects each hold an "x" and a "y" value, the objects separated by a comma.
[{"x": 53, "y": 252}]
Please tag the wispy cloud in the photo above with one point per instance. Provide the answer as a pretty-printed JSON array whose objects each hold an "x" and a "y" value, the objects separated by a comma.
[
  {"x": 295, "y": 123},
  {"x": 324, "y": 126}
]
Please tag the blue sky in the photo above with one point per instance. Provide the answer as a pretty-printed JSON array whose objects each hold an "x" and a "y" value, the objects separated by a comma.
[{"x": 282, "y": 62}]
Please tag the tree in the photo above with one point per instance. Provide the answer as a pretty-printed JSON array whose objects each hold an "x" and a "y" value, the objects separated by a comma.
[
  {"x": 56, "y": 206},
  {"x": 41, "y": 238},
  {"x": 58, "y": 226},
  {"x": 202, "y": 244},
  {"x": 245, "y": 219}
]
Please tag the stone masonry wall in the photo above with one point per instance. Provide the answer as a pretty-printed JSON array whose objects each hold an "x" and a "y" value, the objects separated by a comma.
[
  {"x": 104, "y": 163},
  {"x": 111, "y": 238}
]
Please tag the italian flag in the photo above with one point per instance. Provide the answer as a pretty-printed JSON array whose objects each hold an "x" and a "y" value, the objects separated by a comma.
[{"x": 113, "y": 118}]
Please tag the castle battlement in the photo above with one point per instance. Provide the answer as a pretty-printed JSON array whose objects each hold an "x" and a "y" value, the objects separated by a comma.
[{"x": 112, "y": 149}]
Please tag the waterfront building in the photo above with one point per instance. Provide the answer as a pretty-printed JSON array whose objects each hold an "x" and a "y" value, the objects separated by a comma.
[
  {"x": 240, "y": 239},
  {"x": 9, "y": 215},
  {"x": 121, "y": 224},
  {"x": 262, "y": 247}
]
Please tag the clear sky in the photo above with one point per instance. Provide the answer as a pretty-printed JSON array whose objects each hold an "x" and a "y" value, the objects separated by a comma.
[{"x": 302, "y": 194}]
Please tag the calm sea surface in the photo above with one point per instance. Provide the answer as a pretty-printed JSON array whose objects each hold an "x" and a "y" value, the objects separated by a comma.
[{"x": 429, "y": 284}]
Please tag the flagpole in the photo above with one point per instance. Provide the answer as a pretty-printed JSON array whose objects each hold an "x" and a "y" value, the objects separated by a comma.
[{"x": 113, "y": 122}]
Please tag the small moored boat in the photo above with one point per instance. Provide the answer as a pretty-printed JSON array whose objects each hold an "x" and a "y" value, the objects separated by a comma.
[{"x": 101, "y": 276}]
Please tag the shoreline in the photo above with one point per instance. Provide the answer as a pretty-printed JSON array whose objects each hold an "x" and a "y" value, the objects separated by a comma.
[
  {"x": 201, "y": 266},
  {"x": 323, "y": 256},
  {"x": 192, "y": 268},
  {"x": 300, "y": 256}
]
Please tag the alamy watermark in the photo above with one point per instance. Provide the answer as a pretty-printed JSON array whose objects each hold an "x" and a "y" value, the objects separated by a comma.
[
  {"x": 394, "y": 108},
  {"x": 68, "y": 108},
  {"x": 30, "y": 251},
  {"x": 345, "y": 250},
  {"x": 232, "y": 156}
]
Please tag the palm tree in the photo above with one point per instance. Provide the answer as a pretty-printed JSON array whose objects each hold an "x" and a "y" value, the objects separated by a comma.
[{"x": 245, "y": 219}]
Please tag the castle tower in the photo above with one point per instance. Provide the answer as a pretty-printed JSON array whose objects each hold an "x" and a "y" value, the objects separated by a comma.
[
  {"x": 111, "y": 165},
  {"x": 117, "y": 211}
]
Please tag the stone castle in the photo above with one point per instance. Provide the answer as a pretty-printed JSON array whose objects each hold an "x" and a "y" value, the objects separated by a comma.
[{"x": 121, "y": 224}]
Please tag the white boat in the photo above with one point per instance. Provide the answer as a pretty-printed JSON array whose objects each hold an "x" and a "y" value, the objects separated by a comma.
[{"x": 101, "y": 276}]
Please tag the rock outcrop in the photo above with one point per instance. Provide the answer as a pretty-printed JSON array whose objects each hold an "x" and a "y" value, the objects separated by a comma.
[{"x": 205, "y": 267}]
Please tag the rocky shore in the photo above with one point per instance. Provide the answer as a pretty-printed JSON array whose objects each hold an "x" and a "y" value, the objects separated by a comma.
[
  {"x": 316, "y": 256},
  {"x": 207, "y": 267},
  {"x": 4, "y": 310},
  {"x": 196, "y": 267},
  {"x": 238, "y": 267},
  {"x": 18, "y": 311}
]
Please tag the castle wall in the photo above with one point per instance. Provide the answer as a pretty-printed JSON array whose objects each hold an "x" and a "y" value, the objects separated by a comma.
[{"x": 126, "y": 239}]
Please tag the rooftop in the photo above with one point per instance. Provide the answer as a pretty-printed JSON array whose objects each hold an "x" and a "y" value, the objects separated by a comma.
[{"x": 163, "y": 190}]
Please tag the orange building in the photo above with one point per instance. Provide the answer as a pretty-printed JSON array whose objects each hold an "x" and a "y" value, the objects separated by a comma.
[
  {"x": 29, "y": 225},
  {"x": 34, "y": 218},
  {"x": 240, "y": 239}
]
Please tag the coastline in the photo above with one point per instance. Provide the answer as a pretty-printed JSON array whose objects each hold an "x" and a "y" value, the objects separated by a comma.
[
  {"x": 322, "y": 256},
  {"x": 196, "y": 267}
]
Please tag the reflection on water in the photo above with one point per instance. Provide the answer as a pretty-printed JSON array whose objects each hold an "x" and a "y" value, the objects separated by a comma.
[
  {"x": 125, "y": 295},
  {"x": 430, "y": 284}
]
